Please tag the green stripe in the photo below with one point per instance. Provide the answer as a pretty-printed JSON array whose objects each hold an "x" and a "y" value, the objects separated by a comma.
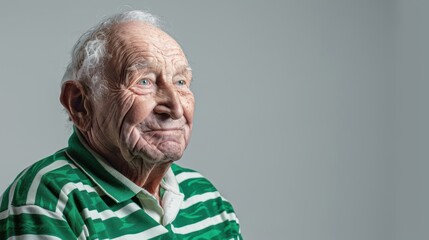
[
  {"x": 5, "y": 196},
  {"x": 5, "y": 200},
  {"x": 36, "y": 224},
  {"x": 61, "y": 176},
  {"x": 23, "y": 184},
  {"x": 178, "y": 169},
  {"x": 195, "y": 186},
  {"x": 201, "y": 211}
]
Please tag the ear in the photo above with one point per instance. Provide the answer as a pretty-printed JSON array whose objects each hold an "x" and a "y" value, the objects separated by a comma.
[{"x": 74, "y": 98}]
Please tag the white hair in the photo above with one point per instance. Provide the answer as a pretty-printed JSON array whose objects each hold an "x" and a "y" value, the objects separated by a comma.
[{"x": 89, "y": 52}]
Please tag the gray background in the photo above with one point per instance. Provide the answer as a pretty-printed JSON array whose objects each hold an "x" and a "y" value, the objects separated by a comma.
[{"x": 310, "y": 115}]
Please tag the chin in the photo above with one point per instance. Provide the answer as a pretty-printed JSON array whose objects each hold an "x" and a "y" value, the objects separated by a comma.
[{"x": 163, "y": 153}]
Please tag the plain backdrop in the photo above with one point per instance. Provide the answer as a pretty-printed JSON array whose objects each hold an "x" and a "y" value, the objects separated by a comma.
[{"x": 311, "y": 116}]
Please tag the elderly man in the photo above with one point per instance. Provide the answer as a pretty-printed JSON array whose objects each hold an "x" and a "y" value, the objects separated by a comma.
[{"x": 127, "y": 93}]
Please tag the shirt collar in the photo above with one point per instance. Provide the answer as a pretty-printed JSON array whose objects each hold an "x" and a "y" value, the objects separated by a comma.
[
  {"x": 101, "y": 173},
  {"x": 172, "y": 199}
]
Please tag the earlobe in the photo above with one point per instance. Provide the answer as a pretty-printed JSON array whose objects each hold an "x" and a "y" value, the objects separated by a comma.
[{"x": 74, "y": 99}]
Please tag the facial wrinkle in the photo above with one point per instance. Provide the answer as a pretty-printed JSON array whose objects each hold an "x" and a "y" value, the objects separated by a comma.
[{"x": 139, "y": 51}]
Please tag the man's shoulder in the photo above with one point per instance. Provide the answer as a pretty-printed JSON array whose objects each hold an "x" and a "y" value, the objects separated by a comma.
[
  {"x": 187, "y": 177},
  {"x": 45, "y": 177},
  {"x": 193, "y": 183},
  {"x": 203, "y": 208},
  {"x": 177, "y": 169}
]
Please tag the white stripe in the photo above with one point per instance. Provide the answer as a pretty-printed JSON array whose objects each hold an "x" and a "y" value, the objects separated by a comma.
[
  {"x": 106, "y": 214},
  {"x": 31, "y": 197},
  {"x": 150, "y": 233},
  {"x": 12, "y": 188},
  {"x": 67, "y": 189},
  {"x": 1, "y": 199},
  {"x": 199, "y": 198},
  {"x": 32, "y": 209},
  {"x": 31, "y": 236},
  {"x": 84, "y": 234},
  {"x": 187, "y": 175},
  {"x": 3, "y": 215},
  {"x": 222, "y": 217}
]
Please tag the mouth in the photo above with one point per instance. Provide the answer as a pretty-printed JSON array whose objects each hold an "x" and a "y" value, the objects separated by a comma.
[
  {"x": 163, "y": 130},
  {"x": 164, "y": 135}
]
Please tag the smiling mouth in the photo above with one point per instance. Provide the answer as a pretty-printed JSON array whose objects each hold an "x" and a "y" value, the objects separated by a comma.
[
  {"x": 163, "y": 135},
  {"x": 168, "y": 133}
]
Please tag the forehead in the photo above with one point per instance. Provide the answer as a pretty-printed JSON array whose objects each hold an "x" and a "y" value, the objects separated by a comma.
[{"x": 138, "y": 41}]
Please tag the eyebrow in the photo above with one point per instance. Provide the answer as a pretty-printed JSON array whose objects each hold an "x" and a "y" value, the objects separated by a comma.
[
  {"x": 184, "y": 68},
  {"x": 144, "y": 64},
  {"x": 138, "y": 65}
]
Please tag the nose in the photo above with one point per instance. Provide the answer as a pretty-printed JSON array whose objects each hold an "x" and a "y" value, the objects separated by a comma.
[{"x": 169, "y": 103}]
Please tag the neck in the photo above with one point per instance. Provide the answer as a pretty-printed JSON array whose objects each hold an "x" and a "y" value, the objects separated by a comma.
[
  {"x": 146, "y": 174},
  {"x": 153, "y": 181}
]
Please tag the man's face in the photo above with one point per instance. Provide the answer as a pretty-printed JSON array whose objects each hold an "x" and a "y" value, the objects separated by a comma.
[{"x": 148, "y": 110}]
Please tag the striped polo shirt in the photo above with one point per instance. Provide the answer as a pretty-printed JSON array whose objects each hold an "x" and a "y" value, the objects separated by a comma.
[{"x": 73, "y": 194}]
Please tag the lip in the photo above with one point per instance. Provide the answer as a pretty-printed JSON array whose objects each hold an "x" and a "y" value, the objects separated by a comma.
[
  {"x": 164, "y": 130},
  {"x": 165, "y": 134}
]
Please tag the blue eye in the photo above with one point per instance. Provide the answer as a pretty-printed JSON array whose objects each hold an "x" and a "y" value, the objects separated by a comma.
[
  {"x": 144, "y": 82},
  {"x": 181, "y": 82}
]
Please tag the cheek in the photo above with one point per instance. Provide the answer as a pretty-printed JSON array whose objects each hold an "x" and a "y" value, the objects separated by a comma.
[
  {"x": 139, "y": 111},
  {"x": 108, "y": 113},
  {"x": 135, "y": 114},
  {"x": 188, "y": 108},
  {"x": 117, "y": 109}
]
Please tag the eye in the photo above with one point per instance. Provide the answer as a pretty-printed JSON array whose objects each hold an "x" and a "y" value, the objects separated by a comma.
[
  {"x": 144, "y": 82},
  {"x": 181, "y": 83}
]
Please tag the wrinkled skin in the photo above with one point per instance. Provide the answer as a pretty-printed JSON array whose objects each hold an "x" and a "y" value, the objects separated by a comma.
[{"x": 144, "y": 121}]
